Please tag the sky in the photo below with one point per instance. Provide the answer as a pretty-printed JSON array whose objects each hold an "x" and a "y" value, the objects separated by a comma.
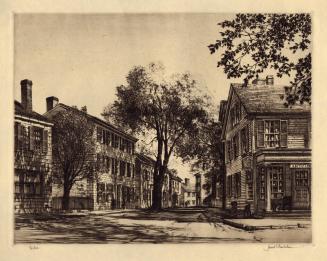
[{"x": 81, "y": 58}]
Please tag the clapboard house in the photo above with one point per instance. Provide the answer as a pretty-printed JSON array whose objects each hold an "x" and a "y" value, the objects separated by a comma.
[
  {"x": 32, "y": 155},
  {"x": 144, "y": 167},
  {"x": 115, "y": 184},
  {"x": 267, "y": 148}
]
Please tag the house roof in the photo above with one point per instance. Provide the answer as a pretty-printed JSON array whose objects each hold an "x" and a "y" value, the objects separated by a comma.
[
  {"x": 145, "y": 158},
  {"x": 262, "y": 99},
  {"x": 189, "y": 188},
  {"x": 98, "y": 121},
  {"x": 19, "y": 110}
]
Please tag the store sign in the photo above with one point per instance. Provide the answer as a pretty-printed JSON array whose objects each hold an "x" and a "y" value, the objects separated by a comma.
[{"x": 300, "y": 166}]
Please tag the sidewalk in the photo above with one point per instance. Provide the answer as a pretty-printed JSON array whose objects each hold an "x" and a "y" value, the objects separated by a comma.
[{"x": 268, "y": 223}]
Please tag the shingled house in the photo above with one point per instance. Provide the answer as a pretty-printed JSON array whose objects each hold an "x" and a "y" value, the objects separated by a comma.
[
  {"x": 115, "y": 186},
  {"x": 33, "y": 157},
  {"x": 267, "y": 147}
]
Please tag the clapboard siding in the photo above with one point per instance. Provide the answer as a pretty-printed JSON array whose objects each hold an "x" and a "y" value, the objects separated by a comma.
[{"x": 298, "y": 133}]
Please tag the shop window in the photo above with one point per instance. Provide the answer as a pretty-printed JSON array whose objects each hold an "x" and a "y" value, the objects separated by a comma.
[
  {"x": 301, "y": 178},
  {"x": 276, "y": 181}
]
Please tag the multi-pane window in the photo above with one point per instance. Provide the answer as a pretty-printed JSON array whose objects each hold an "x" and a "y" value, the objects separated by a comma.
[
  {"x": 249, "y": 185},
  {"x": 301, "y": 178},
  {"x": 262, "y": 183},
  {"x": 272, "y": 133},
  {"x": 235, "y": 141},
  {"x": 276, "y": 181}
]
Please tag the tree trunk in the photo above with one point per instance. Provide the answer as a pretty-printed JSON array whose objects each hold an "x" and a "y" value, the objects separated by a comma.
[
  {"x": 214, "y": 189},
  {"x": 157, "y": 189},
  {"x": 65, "y": 198}
]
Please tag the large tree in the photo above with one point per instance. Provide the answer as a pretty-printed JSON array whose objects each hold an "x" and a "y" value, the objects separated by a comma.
[
  {"x": 164, "y": 109},
  {"x": 252, "y": 43},
  {"x": 73, "y": 150},
  {"x": 206, "y": 152}
]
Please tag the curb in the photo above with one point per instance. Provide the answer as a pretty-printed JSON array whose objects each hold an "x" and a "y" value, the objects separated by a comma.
[{"x": 252, "y": 228}]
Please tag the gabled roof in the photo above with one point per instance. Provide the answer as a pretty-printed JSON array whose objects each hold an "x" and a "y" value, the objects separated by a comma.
[
  {"x": 266, "y": 99},
  {"x": 189, "y": 188},
  {"x": 96, "y": 120},
  {"x": 19, "y": 110},
  {"x": 262, "y": 100},
  {"x": 145, "y": 158}
]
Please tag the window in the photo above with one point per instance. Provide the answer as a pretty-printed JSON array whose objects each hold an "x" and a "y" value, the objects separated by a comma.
[
  {"x": 272, "y": 133},
  {"x": 235, "y": 146},
  {"x": 99, "y": 134},
  {"x": 237, "y": 185},
  {"x": 188, "y": 194},
  {"x": 249, "y": 185},
  {"x": 276, "y": 181},
  {"x": 244, "y": 140},
  {"x": 122, "y": 168},
  {"x": 301, "y": 178},
  {"x": 36, "y": 138},
  {"x": 128, "y": 170},
  {"x": 262, "y": 183}
]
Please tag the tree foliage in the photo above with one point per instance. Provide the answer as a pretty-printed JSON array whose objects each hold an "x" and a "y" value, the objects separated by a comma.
[
  {"x": 73, "y": 150},
  {"x": 165, "y": 109},
  {"x": 252, "y": 43},
  {"x": 205, "y": 151}
]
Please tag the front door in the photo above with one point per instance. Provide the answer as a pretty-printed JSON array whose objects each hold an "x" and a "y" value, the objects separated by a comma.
[{"x": 301, "y": 189}]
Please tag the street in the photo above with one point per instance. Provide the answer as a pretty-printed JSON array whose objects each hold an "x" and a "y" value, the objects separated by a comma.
[{"x": 139, "y": 226}]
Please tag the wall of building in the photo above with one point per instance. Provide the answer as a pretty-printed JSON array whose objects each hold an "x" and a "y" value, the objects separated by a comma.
[{"x": 33, "y": 167}]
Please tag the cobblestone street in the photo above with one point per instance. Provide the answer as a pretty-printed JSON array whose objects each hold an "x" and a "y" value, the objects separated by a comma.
[{"x": 178, "y": 226}]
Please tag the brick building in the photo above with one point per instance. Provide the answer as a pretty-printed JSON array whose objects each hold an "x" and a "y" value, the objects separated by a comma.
[
  {"x": 267, "y": 148},
  {"x": 33, "y": 157},
  {"x": 115, "y": 152}
]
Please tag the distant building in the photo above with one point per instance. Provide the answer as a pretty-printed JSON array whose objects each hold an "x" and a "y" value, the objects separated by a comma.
[
  {"x": 33, "y": 157},
  {"x": 267, "y": 148},
  {"x": 188, "y": 195},
  {"x": 175, "y": 190},
  {"x": 144, "y": 170},
  {"x": 201, "y": 194},
  {"x": 116, "y": 185}
]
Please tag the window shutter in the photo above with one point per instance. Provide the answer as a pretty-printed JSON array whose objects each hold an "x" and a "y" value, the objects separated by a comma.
[
  {"x": 283, "y": 133},
  {"x": 18, "y": 135},
  {"x": 260, "y": 133},
  {"x": 45, "y": 141},
  {"x": 31, "y": 134},
  {"x": 99, "y": 134}
]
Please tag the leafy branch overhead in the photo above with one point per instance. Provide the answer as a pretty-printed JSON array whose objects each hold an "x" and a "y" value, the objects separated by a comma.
[{"x": 252, "y": 43}]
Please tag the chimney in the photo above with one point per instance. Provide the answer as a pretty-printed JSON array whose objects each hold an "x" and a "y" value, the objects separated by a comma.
[
  {"x": 52, "y": 101},
  {"x": 270, "y": 80},
  {"x": 187, "y": 181},
  {"x": 84, "y": 109},
  {"x": 26, "y": 91}
]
